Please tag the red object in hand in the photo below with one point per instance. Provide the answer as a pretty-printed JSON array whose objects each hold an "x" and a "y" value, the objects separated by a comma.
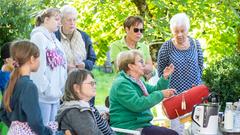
[{"x": 183, "y": 103}]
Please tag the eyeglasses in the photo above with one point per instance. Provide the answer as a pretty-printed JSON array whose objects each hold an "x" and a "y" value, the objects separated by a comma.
[
  {"x": 141, "y": 61},
  {"x": 92, "y": 83},
  {"x": 136, "y": 30}
]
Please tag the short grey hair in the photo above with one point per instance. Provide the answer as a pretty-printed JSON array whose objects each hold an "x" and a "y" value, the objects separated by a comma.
[
  {"x": 179, "y": 19},
  {"x": 127, "y": 57},
  {"x": 67, "y": 9}
]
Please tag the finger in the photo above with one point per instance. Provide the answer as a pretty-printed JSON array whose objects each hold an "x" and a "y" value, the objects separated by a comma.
[
  {"x": 168, "y": 93},
  {"x": 174, "y": 91},
  {"x": 171, "y": 93},
  {"x": 171, "y": 66}
]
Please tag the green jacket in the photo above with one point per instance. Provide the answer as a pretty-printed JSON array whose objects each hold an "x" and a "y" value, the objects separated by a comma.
[{"x": 129, "y": 108}]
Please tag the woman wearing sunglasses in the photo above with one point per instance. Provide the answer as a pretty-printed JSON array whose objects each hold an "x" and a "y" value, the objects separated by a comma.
[
  {"x": 134, "y": 28},
  {"x": 76, "y": 114}
]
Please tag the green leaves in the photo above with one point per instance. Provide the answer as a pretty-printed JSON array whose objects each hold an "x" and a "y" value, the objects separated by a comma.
[
  {"x": 103, "y": 21},
  {"x": 223, "y": 77},
  {"x": 18, "y": 17},
  {"x": 214, "y": 21}
]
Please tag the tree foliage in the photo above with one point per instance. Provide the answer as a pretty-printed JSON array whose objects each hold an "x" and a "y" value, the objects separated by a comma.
[
  {"x": 103, "y": 21},
  {"x": 18, "y": 18},
  {"x": 15, "y": 20},
  {"x": 216, "y": 22}
]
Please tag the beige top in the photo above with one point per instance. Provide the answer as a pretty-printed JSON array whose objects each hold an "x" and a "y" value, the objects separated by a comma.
[{"x": 74, "y": 48}]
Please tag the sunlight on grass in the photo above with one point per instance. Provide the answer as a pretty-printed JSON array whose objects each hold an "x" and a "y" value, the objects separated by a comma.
[{"x": 104, "y": 83}]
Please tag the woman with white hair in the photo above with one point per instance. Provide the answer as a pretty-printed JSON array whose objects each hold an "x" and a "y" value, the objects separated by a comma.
[
  {"x": 185, "y": 54},
  {"x": 76, "y": 43}
]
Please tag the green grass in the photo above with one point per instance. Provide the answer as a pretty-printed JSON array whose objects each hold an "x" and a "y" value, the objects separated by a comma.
[{"x": 104, "y": 83}]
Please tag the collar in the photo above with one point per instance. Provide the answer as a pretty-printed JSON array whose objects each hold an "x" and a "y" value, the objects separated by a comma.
[
  {"x": 63, "y": 35},
  {"x": 124, "y": 44},
  {"x": 125, "y": 75}
]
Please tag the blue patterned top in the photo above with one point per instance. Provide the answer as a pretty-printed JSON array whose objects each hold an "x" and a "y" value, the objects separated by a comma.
[{"x": 188, "y": 64}]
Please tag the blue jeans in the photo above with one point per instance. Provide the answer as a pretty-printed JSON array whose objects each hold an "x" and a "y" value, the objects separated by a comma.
[
  {"x": 48, "y": 111},
  {"x": 59, "y": 133}
]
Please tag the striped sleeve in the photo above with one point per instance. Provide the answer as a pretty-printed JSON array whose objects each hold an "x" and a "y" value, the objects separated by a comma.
[{"x": 103, "y": 124}]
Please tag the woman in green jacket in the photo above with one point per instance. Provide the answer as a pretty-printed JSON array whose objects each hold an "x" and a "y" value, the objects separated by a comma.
[{"x": 131, "y": 98}]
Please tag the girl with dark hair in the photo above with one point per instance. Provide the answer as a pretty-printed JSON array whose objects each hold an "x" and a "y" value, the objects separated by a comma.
[{"x": 20, "y": 100}]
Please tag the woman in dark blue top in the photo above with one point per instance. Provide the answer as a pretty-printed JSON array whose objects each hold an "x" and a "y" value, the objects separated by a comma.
[
  {"x": 20, "y": 100},
  {"x": 185, "y": 54}
]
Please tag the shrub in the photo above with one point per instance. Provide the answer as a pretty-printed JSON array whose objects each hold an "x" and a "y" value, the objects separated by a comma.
[{"x": 223, "y": 77}]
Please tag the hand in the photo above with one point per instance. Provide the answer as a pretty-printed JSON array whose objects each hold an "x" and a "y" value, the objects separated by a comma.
[
  {"x": 81, "y": 65},
  {"x": 8, "y": 66},
  {"x": 168, "y": 93},
  {"x": 168, "y": 71},
  {"x": 148, "y": 76},
  {"x": 105, "y": 115},
  {"x": 147, "y": 69}
]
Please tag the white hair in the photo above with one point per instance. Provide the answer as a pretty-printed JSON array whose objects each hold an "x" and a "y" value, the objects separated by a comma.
[
  {"x": 67, "y": 9},
  {"x": 180, "y": 19}
]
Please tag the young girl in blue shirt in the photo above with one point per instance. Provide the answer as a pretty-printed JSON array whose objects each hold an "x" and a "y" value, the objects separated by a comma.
[{"x": 20, "y": 100}]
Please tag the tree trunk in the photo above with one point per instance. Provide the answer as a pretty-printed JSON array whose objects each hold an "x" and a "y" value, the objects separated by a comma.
[{"x": 142, "y": 7}]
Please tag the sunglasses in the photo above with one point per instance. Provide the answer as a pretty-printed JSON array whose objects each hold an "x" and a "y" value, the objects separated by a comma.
[
  {"x": 136, "y": 30},
  {"x": 92, "y": 83}
]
